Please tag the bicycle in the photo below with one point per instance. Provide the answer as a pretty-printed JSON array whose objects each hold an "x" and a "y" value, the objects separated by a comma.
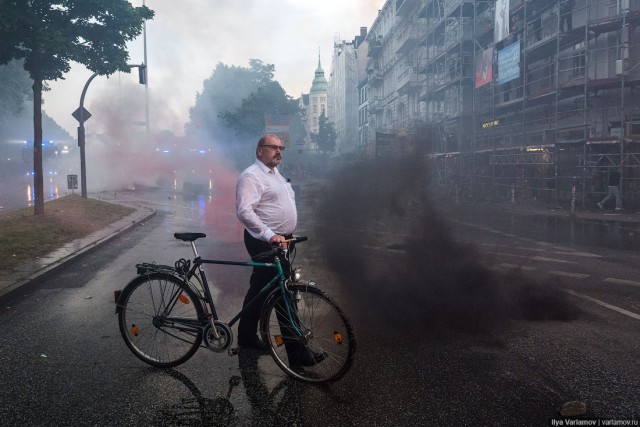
[{"x": 166, "y": 313}]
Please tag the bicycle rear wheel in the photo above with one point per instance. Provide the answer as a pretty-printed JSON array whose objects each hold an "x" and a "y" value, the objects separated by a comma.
[
  {"x": 160, "y": 319},
  {"x": 320, "y": 329}
]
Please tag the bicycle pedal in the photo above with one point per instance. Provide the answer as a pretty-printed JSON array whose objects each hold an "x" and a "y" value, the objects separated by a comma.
[{"x": 233, "y": 351}]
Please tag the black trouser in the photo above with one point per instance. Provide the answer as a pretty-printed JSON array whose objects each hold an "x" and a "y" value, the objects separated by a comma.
[
  {"x": 248, "y": 326},
  {"x": 260, "y": 276},
  {"x": 565, "y": 16}
]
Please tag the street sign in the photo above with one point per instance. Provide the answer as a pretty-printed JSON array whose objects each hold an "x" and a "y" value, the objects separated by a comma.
[
  {"x": 72, "y": 182},
  {"x": 85, "y": 115}
]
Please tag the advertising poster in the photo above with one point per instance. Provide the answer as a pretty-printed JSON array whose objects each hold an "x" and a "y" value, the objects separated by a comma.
[
  {"x": 509, "y": 63},
  {"x": 484, "y": 67},
  {"x": 501, "y": 27}
]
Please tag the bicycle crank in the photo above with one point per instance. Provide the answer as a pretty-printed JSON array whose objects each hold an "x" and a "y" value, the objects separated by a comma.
[{"x": 222, "y": 341}]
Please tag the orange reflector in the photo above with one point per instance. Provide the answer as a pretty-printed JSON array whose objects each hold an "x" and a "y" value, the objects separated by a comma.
[
  {"x": 279, "y": 341},
  {"x": 337, "y": 337},
  {"x": 183, "y": 299},
  {"x": 134, "y": 330}
]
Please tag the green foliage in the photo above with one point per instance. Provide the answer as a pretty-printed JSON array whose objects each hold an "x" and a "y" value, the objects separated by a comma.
[
  {"x": 232, "y": 107},
  {"x": 224, "y": 91},
  {"x": 270, "y": 98},
  {"x": 49, "y": 35},
  {"x": 327, "y": 135},
  {"x": 15, "y": 88}
]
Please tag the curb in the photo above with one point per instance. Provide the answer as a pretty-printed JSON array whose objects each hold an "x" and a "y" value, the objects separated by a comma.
[{"x": 73, "y": 249}]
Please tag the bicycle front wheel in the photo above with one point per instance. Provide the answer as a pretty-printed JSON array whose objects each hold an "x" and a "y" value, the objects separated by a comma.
[
  {"x": 319, "y": 345},
  {"x": 160, "y": 319}
]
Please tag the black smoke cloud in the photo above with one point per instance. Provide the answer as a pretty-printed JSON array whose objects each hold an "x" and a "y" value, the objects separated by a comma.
[{"x": 391, "y": 249}]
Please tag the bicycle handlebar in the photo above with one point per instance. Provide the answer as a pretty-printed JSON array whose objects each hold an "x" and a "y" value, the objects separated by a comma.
[
  {"x": 292, "y": 240},
  {"x": 276, "y": 248}
]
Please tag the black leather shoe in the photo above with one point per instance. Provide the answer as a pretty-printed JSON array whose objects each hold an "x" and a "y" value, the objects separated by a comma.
[
  {"x": 255, "y": 344},
  {"x": 307, "y": 358}
]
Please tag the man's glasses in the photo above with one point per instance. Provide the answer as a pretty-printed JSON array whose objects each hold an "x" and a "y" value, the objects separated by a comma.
[{"x": 274, "y": 147}]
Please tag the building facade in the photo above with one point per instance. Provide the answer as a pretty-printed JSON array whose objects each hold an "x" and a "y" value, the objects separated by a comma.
[
  {"x": 318, "y": 99},
  {"x": 535, "y": 96},
  {"x": 343, "y": 93}
]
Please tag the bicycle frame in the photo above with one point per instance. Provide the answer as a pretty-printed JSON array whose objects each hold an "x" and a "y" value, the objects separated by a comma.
[{"x": 279, "y": 278}]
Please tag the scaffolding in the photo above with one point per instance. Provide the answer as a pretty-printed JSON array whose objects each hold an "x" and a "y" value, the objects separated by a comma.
[{"x": 554, "y": 111}]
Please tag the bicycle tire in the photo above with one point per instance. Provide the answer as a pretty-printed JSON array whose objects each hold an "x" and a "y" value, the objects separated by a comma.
[
  {"x": 159, "y": 338},
  {"x": 327, "y": 330}
]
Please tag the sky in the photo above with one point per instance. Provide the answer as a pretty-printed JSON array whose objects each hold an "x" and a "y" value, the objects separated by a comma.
[{"x": 187, "y": 38}]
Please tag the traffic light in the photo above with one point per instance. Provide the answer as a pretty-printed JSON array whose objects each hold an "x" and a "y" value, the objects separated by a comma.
[{"x": 142, "y": 74}]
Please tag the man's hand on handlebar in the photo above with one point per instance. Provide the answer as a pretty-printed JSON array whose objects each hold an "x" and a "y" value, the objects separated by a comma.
[{"x": 280, "y": 241}]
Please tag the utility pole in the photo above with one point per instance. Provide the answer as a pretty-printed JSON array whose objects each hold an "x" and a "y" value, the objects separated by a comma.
[
  {"x": 146, "y": 80},
  {"x": 82, "y": 115}
]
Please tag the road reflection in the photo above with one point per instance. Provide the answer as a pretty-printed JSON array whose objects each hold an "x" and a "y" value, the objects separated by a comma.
[
  {"x": 277, "y": 407},
  {"x": 268, "y": 407},
  {"x": 198, "y": 409},
  {"x": 18, "y": 193},
  {"x": 608, "y": 233}
]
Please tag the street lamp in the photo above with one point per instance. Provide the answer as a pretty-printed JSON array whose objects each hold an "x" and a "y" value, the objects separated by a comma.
[{"x": 82, "y": 115}]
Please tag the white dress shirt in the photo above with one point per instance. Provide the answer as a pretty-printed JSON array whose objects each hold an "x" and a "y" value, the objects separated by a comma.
[{"x": 265, "y": 202}]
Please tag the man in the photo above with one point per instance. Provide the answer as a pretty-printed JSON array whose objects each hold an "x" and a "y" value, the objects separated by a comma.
[
  {"x": 566, "y": 10},
  {"x": 266, "y": 207},
  {"x": 613, "y": 191}
]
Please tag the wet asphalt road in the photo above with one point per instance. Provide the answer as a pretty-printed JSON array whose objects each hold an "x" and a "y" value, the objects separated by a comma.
[{"x": 63, "y": 362}]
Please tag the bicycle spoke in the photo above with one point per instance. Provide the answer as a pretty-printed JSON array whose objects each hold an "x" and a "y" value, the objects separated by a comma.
[
  {"x": 326, "y": 336},
  {"x": 161, "y": 319}
]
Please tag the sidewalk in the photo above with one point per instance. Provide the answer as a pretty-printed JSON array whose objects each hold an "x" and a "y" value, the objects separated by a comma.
[
  {"x": 33, "y": 269},
  {"x": 550, "y": 209}
]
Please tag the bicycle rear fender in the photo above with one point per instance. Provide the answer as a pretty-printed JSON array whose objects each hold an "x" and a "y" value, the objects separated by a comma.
[{"x": 147, "y": 267}]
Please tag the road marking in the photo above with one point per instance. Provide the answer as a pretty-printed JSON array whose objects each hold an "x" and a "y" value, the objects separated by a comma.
[
  {"x": 380, "y": 248},
  {"x": 621, "y": 281},
  {"x": 582, "y": 254},
  {"x": 546, "y": 259},
  {"x": 533, "y": 258},
  {"x": 606, "y": 305},
  {"x": 516, "y": 266},
  {"x": 522, "y": 248},
  {"x": 569, "y": 274}
]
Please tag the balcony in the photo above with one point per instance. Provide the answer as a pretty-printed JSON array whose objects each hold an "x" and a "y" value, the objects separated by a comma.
[
  {"x": 410, "y": 35},
  {"x": 375, "y": 76},
  {"x": 376, "y": 105},
  {"x": 375, "y": 46},
  {"x": 408, "y": 80}
]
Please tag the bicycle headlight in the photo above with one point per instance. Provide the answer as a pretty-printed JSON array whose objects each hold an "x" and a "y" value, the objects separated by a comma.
[{"x": 296, "y": 274}]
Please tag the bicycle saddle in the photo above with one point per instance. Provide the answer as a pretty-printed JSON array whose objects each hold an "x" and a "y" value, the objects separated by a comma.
[{"x": 189, "y": 237}]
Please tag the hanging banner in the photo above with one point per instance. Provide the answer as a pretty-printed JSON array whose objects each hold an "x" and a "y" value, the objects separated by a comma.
[
  {"x": 501, "y": 21},
  {"x": 509, "y": 63},
  {"x": 484, "y": 67}
]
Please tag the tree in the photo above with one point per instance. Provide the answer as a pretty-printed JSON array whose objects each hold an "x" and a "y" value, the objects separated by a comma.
[
  {"x": 327, "y": 135},
  {"x": 232, "y": 107},
  {"x": 15, "y": 87},
  {"x": 48, "y": 35},
  {"x": 224, "y": 91},
  {"x": 249, "y": 117}
]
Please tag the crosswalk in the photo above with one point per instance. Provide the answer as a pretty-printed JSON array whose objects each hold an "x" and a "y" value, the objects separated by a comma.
[{"x": 550, "y": 259}]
